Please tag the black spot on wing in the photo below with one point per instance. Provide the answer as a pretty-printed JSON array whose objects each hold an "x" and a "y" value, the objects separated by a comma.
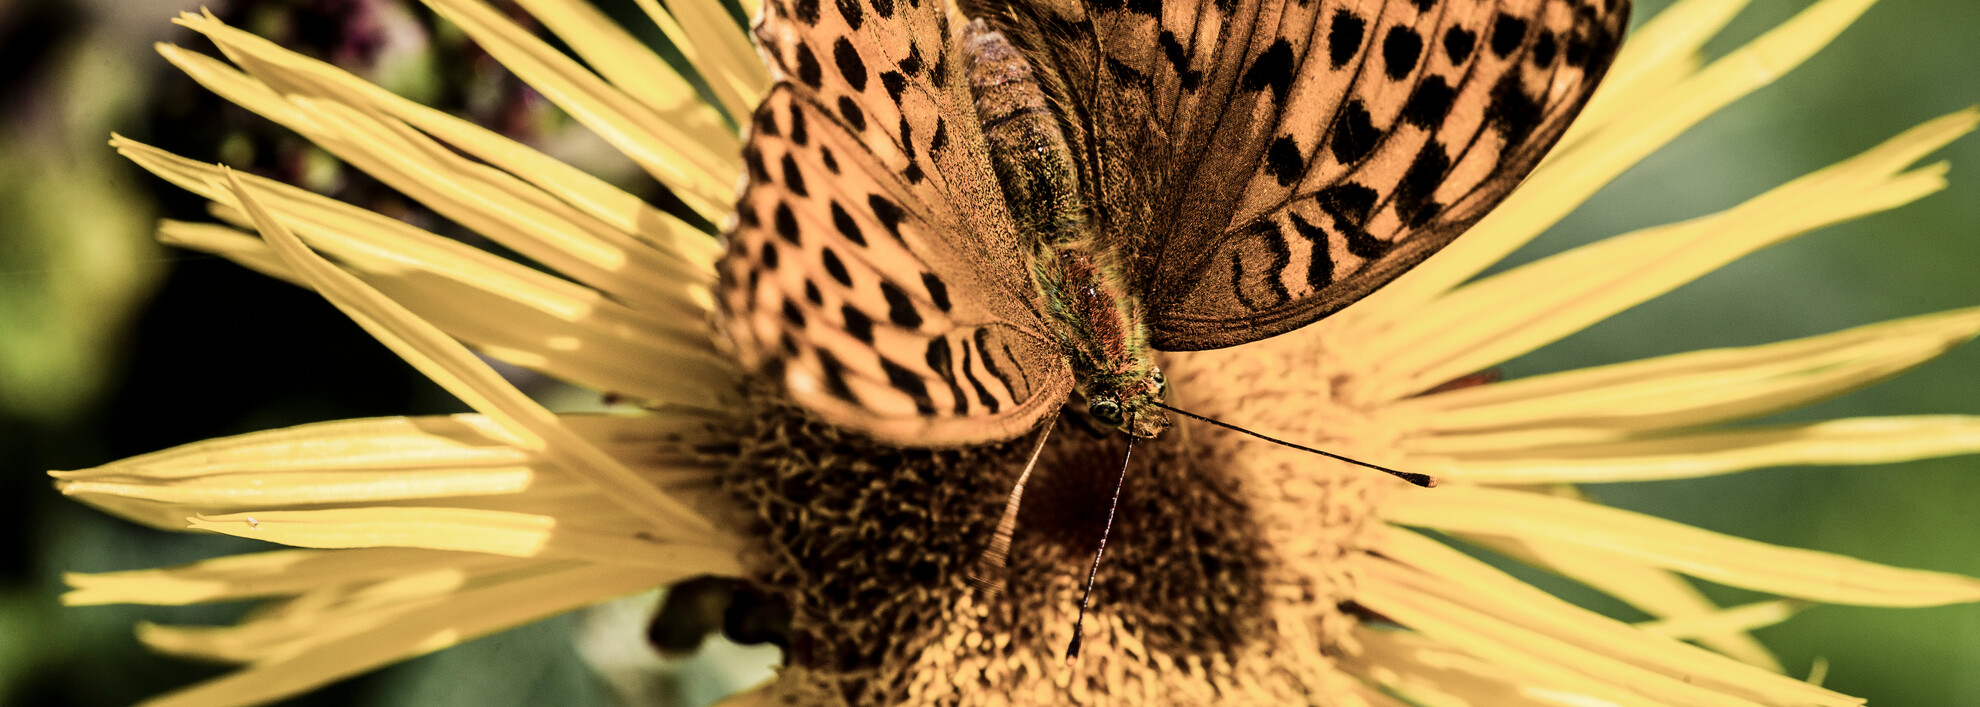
[
  {"x": 854, "y": 14},
  {"x": 753, "y": 162},
  {"x": 767, "y": 254},
  {"x": 1178, "y": 58},
  {"x": 912, "y": 64},
  {"x": 1512, "y": 111},
  {"x": 851, "y": 67},
  {"x": 811, "y": 293},
  {"x": 941, "y": 139},
  {"x": 1429, "y": 103},
  {"x": 834, "y": 374},
  {"x": 1400, "y": 50},
  {"x": 1273, "y": 68},
  {"x": 990, "y": 403},
  {"x": 793, "y": 179},
  {"x": 1344, "y": 37},
  {"x": 766, "y": 124},
  {"x": 1350, "y": 202},
  {"x": 1458, "y": 43},
  {"x": 858, "y": 324},
  {"x": 942, "y": 361},
  {"x": 836, "y": 267},
  {"x": 806, "y": 11},
  {"x": 854, "y": 117},
  {"x": 900, "y": 309},
  {"x": 1508, "y": 33},
  {"x": 895, "y": 83},
  {"x": 907, "y": 382},
  {"x": 793, "y": 315},
  {"x": 1320, "y": 272},
  {"x": 1544, "y": 48},
  {"x": 800, "y": 132},
  {"x": 786, "y": 223},
  {"x": 1285, "y": 161},
  {"x": 808, "y": 69},
  {"x": 1354, "y": 133},
  {"x": 887, "y": 211},
  {"x": 825, "y": 156},
  {"x": 937, "y": 292},
  {"x": 1413, "y": 195},
  {"x": 885, "y": 8}
]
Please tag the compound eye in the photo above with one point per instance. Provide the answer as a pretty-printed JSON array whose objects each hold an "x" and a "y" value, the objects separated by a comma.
[
  {"x": 1107, "y": 412},
  {"x": 1161, "y": 383}
]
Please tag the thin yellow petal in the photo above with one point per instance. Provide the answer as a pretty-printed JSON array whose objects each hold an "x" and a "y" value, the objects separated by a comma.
[
  {"x": 1483, "y": 610},
  {"x": 466, "y": 530},
  {"x": 527, "y": 317},
  {"x": 1655, "y": 591},
  {"x": 415, "y": 629},
  {"x": 627, "y": 62},
  {"x": 1432, "y": 674},
  {"x": 1865, "y": 440},
  {"x": 698, "y": 171},
  {"x": 457, "y": 370},
  {"x": 1508, "y": 314},
  {"x": 225, "y": 242},
  {"x": 1655, "y": 542},
  {"x": 1689, "y": 388},
  {"x": 266, "y": 574},
  {"x": 718, "y": 48},
  {"x": 1759, "y": 614},
  {"x": 293, "y": 73},
  {"x": 1658, "y": 55},
  {"x": 1569, "y": 177}
]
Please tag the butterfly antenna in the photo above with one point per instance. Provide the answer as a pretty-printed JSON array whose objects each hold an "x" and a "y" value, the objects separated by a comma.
[
  {"x": 1072, "y": 649},
  {"x": 988, "y": 573},
  {"x": 1423, "y": 480}
]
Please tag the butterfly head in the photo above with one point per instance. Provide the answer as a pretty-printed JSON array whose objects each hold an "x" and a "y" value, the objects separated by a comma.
[{"x": 1130, "y": 405}]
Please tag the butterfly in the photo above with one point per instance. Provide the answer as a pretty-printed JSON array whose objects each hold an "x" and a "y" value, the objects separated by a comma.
[{"x": 957, "y": 217}]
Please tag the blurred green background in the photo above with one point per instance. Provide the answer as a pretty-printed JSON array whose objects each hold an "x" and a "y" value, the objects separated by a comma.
[{"x": 111, "y": 346}]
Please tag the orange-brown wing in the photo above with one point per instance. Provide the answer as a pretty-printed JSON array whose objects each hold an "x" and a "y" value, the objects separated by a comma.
[
  {"x": 1268, "y": 162},
  {"x": 872, "y": 266}
]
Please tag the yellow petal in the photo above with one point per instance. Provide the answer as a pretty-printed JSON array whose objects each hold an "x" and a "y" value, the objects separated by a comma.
[
  {"x": 395, "y": 632},
  {"x": 1459, "y": 600},
  {"x": 718, "y": 48},
  {"x": 1866, "y": 440},
  {"x": 457, "y": 370},
  {"x": 701, "y": 172},
  {"x": 1692, "y": 388},
  {"x": 465, "y": 530},
  {"x": 1489, "y": 321},
  {"x": 1656, "y": 592},
  {"x": 631, "y": 67},
  {"x": 528, "y": 317},
  {"x": 1655, "y": 542},
  {"x": 1759, "y": 614},
  {"x": 291, "y": 73},
  {"x": 267, "y": 574},
  {"x": 1569, "y": 177},
  {"x": 1659, "y": 54},
  {"x": 1431, "y": 674}
]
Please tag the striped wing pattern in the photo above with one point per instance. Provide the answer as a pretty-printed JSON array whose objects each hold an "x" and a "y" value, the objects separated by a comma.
[
  {"x": 848, "y": 275},
  {"x": 1309, "y": 152}
]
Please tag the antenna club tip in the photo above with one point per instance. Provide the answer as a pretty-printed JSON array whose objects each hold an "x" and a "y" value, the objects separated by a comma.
[{"x": 1072, "y": 649}]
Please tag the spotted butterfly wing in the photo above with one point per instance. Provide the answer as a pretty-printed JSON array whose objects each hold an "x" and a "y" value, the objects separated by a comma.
[
  {"x": 872, "y": 266},
  {"x": 1253, "y": 164},
  {"x": 1268, "y": 163}
]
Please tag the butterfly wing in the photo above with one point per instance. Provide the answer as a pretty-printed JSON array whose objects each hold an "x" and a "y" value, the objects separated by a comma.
[
  {"x": 1284, "y": 159},
  {"x": 872, "y": 266}
]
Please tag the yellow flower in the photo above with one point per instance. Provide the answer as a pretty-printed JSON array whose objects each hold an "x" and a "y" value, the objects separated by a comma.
[{"x": 1242, "y": 573}]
